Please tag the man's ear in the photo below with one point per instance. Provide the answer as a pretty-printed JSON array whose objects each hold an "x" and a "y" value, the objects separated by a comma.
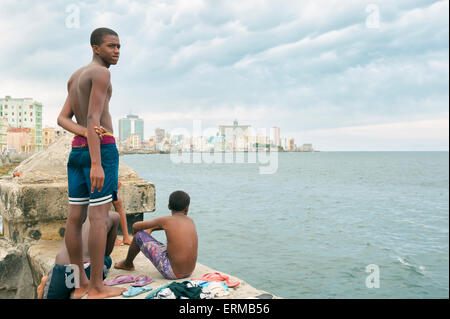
[
  {"x": 168, "y": 206},
  {"x": 186, "y": 209},
  {"x": 96, "y": 49}
]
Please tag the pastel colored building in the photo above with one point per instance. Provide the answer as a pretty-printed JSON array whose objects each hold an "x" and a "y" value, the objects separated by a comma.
[
  {"x": 48, "y": 136},
  {"x": 21, "y": 139},
  {"x": 23, "y": 113}
]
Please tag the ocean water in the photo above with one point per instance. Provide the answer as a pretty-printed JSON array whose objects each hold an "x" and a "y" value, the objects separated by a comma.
[{"x": 311, "y": 229}]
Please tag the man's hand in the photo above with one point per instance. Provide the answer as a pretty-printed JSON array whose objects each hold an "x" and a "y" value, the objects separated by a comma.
[
  {"x": 97, "y": 178},
  {"x": 100, "y": 130}
]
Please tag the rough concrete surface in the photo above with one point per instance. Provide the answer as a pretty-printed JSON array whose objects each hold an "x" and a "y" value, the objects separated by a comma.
[{"x": 42, "y": 256}]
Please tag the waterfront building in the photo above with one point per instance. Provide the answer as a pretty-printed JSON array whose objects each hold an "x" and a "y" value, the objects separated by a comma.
[
  {"x": 21, "y": 139},
  {"x": 48, "y": 136},
  {"x": 276, "y": 141},
  {"x": 131, "y": 125},
  {"x": 24, "y": 113},
  {"x": 235, "y": 137},
  {"x": 292, "y": 145},
  {"x": 262, "y": 140},
  {"x": 285, "y": 144},
  {"x": 152, "y": 143},
  {"x": 133, "y": 142},
  {"x": 160, "y": 134},
  {"x": 306, "y": 148}
]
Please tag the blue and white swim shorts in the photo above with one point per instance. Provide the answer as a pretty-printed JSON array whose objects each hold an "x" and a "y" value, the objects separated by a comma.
[{"x": 78, "y": 173}]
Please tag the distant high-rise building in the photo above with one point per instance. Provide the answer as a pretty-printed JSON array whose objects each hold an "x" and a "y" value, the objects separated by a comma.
[
  {"x": 131, "y": 125},
  {"x": 160, "y": 134},
  {"x": 23, "y": 113},
  {"x": 276, "y": 136}
]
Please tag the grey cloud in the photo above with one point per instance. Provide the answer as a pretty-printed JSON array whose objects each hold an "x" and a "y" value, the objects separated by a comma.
[{"x": 312, "y": 68}]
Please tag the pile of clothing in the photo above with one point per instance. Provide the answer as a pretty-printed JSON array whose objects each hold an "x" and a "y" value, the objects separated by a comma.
[{"x": 207, "y": 287}]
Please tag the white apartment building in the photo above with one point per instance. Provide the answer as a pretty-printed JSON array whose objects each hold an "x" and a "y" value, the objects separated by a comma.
[{"x": 134, "y": 142}]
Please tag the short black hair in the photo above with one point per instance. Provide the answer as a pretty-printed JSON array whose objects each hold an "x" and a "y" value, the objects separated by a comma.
[
  {"x": 98, "y": 34},
  {"x": 179, "y": 200}
]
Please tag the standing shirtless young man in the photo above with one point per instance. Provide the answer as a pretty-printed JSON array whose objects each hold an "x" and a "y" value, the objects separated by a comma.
[{"x": 93, "y": 165}]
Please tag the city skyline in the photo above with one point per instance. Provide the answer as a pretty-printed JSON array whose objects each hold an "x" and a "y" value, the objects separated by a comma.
[
  {"x": 284, "y": 141},
  {"x": 199, "y": 135},
  {"x": 343, "y": 76},
  {"x": 19, "y": 133}
]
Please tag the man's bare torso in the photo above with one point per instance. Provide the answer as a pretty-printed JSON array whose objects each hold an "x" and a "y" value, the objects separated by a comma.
[
  {"x": 79, "y": 87},
  {"x": 182, "y": 243}
]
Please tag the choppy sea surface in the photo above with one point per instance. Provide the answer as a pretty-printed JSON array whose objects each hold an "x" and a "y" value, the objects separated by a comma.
[{"x": 312, "y": 229}]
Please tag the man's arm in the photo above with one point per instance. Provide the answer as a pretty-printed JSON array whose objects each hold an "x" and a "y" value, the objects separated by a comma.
[
  {"x": 100, "y": 83},
  {"x": 66, "y": 122},
  {"x": 150, "y": 225}
]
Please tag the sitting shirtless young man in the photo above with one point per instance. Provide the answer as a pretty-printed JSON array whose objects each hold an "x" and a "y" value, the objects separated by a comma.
[
  {"x": 58, "y": 283},
  {"x": 175, "y": 260}
]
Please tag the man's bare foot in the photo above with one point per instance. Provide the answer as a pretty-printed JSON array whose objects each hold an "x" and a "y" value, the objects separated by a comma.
[
  {"x": 40, "y": 288},
  {"x": 124, "y": 266},
  {"x": 79, "y": 293},
  {"x": 127, "y": 241},
  {"x": 105, "y": 292},
  {"x": 118, "y": 242}
]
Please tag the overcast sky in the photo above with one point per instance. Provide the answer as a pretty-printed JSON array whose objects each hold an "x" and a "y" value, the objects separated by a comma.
[{"x": 342, "y": 75}]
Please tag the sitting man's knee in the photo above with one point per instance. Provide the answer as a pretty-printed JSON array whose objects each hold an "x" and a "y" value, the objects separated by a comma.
[{"x": 134, "y": 228}]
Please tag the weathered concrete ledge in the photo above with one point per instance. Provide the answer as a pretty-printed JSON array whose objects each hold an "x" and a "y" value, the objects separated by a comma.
[
  {"x": 42, "y": 254},
  {"x": 22, "y": 267}
]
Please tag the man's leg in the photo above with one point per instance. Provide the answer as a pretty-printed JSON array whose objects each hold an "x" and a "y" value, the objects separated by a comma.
[
  {"x": 97, "y": 245},
  {"x": 123, "y": 220},
  {"x": 154, "y": 250},
  {"x": 112, "y": 224},
  {"x": 127, "y": 263},
  {"x": 73, "y": 240}
]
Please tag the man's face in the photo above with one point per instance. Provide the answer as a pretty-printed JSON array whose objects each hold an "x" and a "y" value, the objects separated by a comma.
[{"x": 109, "y": 49}]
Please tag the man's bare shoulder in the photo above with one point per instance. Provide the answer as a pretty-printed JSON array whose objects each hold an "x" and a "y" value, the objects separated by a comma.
[
  {"x": 96, "y": 71},
  {"x": 74, "y": 76},
  {"x": 182, "y": 219}
]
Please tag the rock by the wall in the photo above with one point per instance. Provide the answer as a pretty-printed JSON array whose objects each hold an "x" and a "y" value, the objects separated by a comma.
[{"x": 15, "y": 272}]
